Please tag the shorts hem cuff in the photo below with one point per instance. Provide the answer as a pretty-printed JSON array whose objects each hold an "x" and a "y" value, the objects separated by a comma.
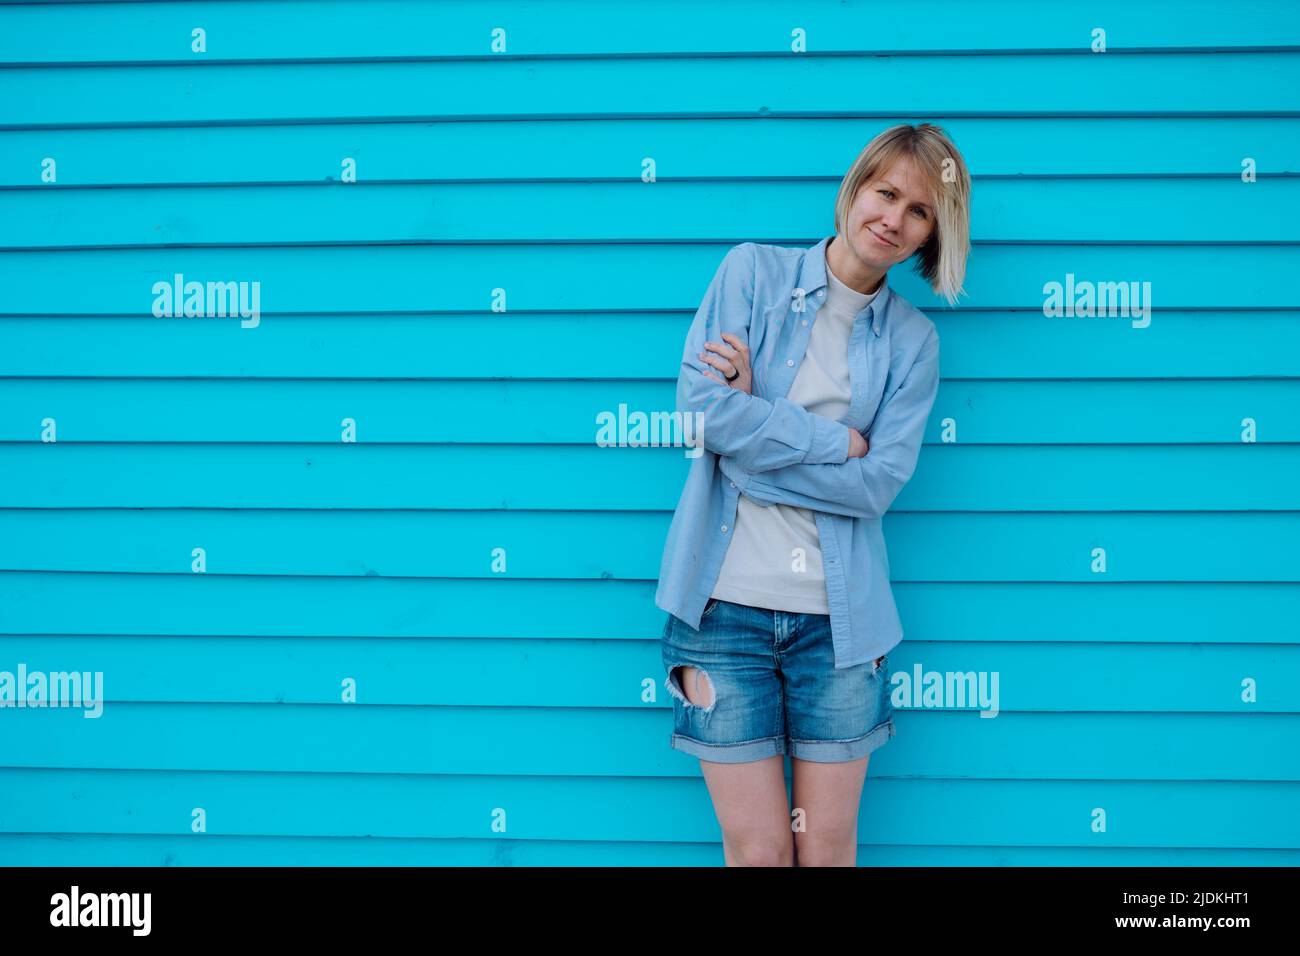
[
  {"x": 729, "y": 753},
  {"x": 838, "y": 751}
]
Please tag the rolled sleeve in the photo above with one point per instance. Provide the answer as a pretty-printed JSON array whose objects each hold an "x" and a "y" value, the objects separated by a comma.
[{"x": 830, "y": 443}]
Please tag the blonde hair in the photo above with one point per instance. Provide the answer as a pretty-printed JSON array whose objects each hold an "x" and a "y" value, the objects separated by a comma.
[{"x": 942, "y": 258}]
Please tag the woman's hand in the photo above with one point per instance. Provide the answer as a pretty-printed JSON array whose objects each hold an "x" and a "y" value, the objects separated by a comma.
[
  {"x": 858, "y": 444},
  {"x": 729, "y": 361}
]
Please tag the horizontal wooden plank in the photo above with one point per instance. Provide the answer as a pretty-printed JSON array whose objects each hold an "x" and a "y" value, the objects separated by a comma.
[
  {"x": 1140, "y": 813},
  {"x": 740, "y": 150},
  {"x": 613, "y": 673},
  {"x": 572, "y": 413},
  {"x": 482, "y": 741},
  {"x": 1078, "y": 82},
  {"x": 998, "y": 345},
  {"x": 40, "y": 603},
  {"x": 220, "y": 165},
  {"x": 1219, "y": 211},
  {"x": 207, "y": 849},
  {"x": 467, "y": 478},
  {"x": 161, "y": 32},
  {"x": 605, "y": 276},
  {"x": 1177, "y": 547}
]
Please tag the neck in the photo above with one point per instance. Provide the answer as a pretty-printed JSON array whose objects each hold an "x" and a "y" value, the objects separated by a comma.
[{"x": 851, "y": 270}]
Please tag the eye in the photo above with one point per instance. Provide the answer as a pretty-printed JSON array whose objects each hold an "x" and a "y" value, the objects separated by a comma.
[{"x": 889, "y": 194}]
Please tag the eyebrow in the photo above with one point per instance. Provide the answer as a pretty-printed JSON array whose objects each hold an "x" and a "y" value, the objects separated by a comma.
[{"x": 896, "y": 189}]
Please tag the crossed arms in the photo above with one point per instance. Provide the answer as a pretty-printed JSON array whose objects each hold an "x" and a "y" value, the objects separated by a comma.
[{"x": 777, "y": 452}]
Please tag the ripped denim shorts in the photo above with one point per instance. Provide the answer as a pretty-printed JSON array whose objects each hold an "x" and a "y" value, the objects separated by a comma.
[{"x": 767, "y": 684}]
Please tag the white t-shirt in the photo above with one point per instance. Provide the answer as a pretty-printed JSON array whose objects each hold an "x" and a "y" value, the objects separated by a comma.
[{"x": 774, "y": 559}]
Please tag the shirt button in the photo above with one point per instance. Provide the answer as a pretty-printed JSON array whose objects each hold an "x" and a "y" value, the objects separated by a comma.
[
  {"x": 724, "y": 527},
  {"x": 733, "y": 484},
  {"x": 805, "y": 321},
  {"x": 789, "y": 361}
]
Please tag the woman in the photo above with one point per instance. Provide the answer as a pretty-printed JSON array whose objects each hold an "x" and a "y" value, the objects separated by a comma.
[{"x": 774, "y": 573}]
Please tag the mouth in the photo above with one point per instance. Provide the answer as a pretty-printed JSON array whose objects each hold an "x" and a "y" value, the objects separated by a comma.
[{"x": 881, "y": 239}]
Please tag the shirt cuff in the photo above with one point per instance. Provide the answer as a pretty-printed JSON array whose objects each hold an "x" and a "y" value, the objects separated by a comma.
[{"x": 830, "y": 442}]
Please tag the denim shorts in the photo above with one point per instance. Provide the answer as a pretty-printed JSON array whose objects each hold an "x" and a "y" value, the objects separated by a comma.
[{"x": 775, "y": 688}]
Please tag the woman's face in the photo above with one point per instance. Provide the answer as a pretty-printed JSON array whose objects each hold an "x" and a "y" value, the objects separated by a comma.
[{"x": 891, "y": 217}]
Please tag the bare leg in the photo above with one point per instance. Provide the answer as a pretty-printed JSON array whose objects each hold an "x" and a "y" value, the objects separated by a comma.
[
  {"x": 829, "y": 795},
  {"x": 748, "y": 798}
]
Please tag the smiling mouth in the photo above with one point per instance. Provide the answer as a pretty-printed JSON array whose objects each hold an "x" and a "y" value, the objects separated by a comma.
[{"x": 881, "y": 238}]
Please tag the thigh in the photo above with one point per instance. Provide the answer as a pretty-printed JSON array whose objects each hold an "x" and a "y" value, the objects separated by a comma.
[
  {"x": 826, "y": 804},
  {"x": 731, "y": 653},
  {"x": 833, "y": 714}
]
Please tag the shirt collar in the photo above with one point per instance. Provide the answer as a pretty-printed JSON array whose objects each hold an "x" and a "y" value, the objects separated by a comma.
[{"x": 812, "y": 277}]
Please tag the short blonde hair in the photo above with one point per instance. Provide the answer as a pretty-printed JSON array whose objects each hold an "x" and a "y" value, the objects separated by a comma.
[{"x": 942, "y": 259}]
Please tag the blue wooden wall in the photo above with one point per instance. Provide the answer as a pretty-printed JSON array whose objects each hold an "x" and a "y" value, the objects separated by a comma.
[{"x": 594, "y": 162}]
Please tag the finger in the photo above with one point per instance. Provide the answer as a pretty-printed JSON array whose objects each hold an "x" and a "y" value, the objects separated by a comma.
[
  {"x": 740, "y": 346},
  {"x": 716, "y": 379},
  {"x": 721, "y": 349},
  {"x": 719, "y": 363},
  {"x": 739, "y": 356}
]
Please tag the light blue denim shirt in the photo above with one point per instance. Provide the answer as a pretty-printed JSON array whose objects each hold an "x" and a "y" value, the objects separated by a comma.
[{"x": 776, "y": 452}]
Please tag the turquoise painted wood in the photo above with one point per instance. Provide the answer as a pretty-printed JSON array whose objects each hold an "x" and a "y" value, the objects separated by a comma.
[{"x": 536, "y": 689}]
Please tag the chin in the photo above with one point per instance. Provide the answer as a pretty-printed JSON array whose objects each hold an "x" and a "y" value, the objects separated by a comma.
[
  {"x": 874, "y": 252},
  {"x": 869, "y": 248}
]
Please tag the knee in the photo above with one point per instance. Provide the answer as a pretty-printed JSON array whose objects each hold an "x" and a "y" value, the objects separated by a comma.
[
  {"x": 823, "y": 852},
  {"x": 760, "y": 853}
]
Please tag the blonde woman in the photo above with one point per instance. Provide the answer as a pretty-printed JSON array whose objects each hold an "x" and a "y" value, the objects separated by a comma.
[{"x": 814, "y": 380}]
